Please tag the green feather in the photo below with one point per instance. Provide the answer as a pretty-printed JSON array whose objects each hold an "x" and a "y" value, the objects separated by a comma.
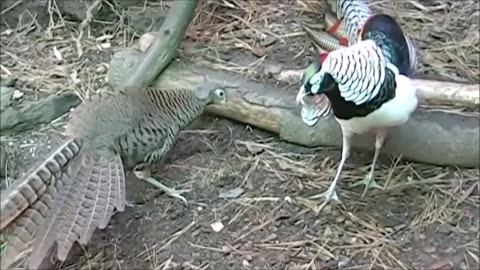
[{"x": 311, "y": 70}]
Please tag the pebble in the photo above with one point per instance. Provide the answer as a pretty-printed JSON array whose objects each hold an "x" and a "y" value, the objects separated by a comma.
[
  {"x": 340, "y": 219},
  {"x": 248, "y": 245},
  {"x": 226, "y": 250},
  {"x": 217, "y": 226},
  {"x": 328, "y": 232},
  {"x": 429, "y": 249},
  {"x": 17, "y": 95}
]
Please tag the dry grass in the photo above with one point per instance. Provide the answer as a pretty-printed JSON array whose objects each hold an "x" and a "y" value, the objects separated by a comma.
[
  {"x": 271, "y": 224},
  {"x": 446, "y": 33}
]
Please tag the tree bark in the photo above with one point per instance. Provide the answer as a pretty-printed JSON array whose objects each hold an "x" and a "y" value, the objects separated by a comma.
[
  {"x": 438, "y": 138},
  {"x": 165, "y": 45},
  {"x": 431, "y": 92}
]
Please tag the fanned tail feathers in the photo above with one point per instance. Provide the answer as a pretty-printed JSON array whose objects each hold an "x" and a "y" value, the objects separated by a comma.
[{"x": 96, "y": 186}]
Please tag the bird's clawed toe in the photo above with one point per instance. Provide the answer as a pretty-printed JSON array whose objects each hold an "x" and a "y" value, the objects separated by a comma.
[
  {"x": 143, "y": 173},
  {"x": 368, "y": 182},
  {"x": 329, "y": 195},
  {"x": 169, "y": 191}
]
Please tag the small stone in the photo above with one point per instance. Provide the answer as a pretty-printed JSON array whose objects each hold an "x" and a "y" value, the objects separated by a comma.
[
  {"x": 422, "y": 236},
  {"x": 17, "y": 94},
  {"x": 269, "y": 238},
  {"x": 351, "y": 240},
  {"x": 248, "y": 245},
  {"x": 226, "y": 250},
  {"x": 246, "y": 264},
  {"x": 105, "y": 45},
  {"x": 232, "y": 193},
  {"x": 288, "y": 199},
  {"x": 429, "y": 249},
  {"x": 328, "y": 232},
  {"x": 101, "y": 69},
  {"x": 217, "y": 226},
  {"x": 340, "y": 219}
]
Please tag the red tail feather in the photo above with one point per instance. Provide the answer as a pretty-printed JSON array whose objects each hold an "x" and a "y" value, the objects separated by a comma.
[{"x": 334, "y": 28}]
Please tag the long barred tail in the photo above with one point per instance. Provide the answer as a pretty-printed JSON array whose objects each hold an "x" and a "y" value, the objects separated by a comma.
[{"x": 352, "y": 14}]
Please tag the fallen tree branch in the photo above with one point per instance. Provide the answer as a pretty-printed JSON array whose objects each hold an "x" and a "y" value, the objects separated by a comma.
[
  {"x": 43, "y": 111},
  {"x": 164, "y": 47},
  {"x": 431, "y": 92},
  {"x": 430, "y": 137}
]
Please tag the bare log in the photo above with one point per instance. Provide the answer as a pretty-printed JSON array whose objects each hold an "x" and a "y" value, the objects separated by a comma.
[
  {"x": 165, "y": 45},
  {"x": 431, "y": 92},
  {"x": 430, "y": 137}
]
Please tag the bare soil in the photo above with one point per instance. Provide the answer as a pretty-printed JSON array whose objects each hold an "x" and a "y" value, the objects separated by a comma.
[{"x": 257, "y": 186}]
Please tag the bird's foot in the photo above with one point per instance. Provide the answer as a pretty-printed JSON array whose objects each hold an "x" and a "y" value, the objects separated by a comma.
[
  {"x": 145, "y": 175},
  {"x": 328, "y": 196},
  {"x": 168, "y": 190},
  {"x": 369, "y": 182}
]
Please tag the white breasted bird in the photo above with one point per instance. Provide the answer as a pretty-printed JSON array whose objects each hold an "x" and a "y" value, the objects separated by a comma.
[{"x": 366, "y": 93}]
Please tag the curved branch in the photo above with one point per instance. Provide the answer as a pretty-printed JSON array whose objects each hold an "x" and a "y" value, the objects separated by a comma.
[{"x": 165, "y": 46}]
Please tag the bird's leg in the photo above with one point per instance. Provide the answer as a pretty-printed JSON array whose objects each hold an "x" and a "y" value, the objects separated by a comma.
[
  {"x": 143, "y": 172},
  {"x": 369, "y": 180},
  {"x": 331, "y": 194}
]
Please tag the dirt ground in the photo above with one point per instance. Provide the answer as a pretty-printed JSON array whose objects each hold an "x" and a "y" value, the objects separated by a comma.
[{"x": 246, "y": 179}]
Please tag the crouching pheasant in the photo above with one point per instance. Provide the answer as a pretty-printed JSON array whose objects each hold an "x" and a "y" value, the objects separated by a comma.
[{"x": 77, "y": 188}]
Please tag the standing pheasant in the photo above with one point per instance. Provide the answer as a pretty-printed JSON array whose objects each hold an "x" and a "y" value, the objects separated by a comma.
[
  {"x": 77, "y": 189},
  {"x": 366, "y": 93},
  {"x": 355, "y": 22}
]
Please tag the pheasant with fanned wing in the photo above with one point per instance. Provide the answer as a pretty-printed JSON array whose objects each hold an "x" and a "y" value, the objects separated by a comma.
[
  {"x": 366, "y": 93},
  {"x": 78, "y": 187}
]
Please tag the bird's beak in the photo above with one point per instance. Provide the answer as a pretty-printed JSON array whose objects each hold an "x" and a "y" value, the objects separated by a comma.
[{"x": 301, "y": 94}]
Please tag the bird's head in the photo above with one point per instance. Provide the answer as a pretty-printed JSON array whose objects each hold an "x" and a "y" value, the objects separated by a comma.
[
  {"x": 212, "y": 92},
  {"x": 218, "y": 95},
  {"x": 310, "y": 87}
]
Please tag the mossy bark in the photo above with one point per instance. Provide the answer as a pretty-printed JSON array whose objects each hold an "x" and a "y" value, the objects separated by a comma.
[{"x": 164, "y": 48}]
